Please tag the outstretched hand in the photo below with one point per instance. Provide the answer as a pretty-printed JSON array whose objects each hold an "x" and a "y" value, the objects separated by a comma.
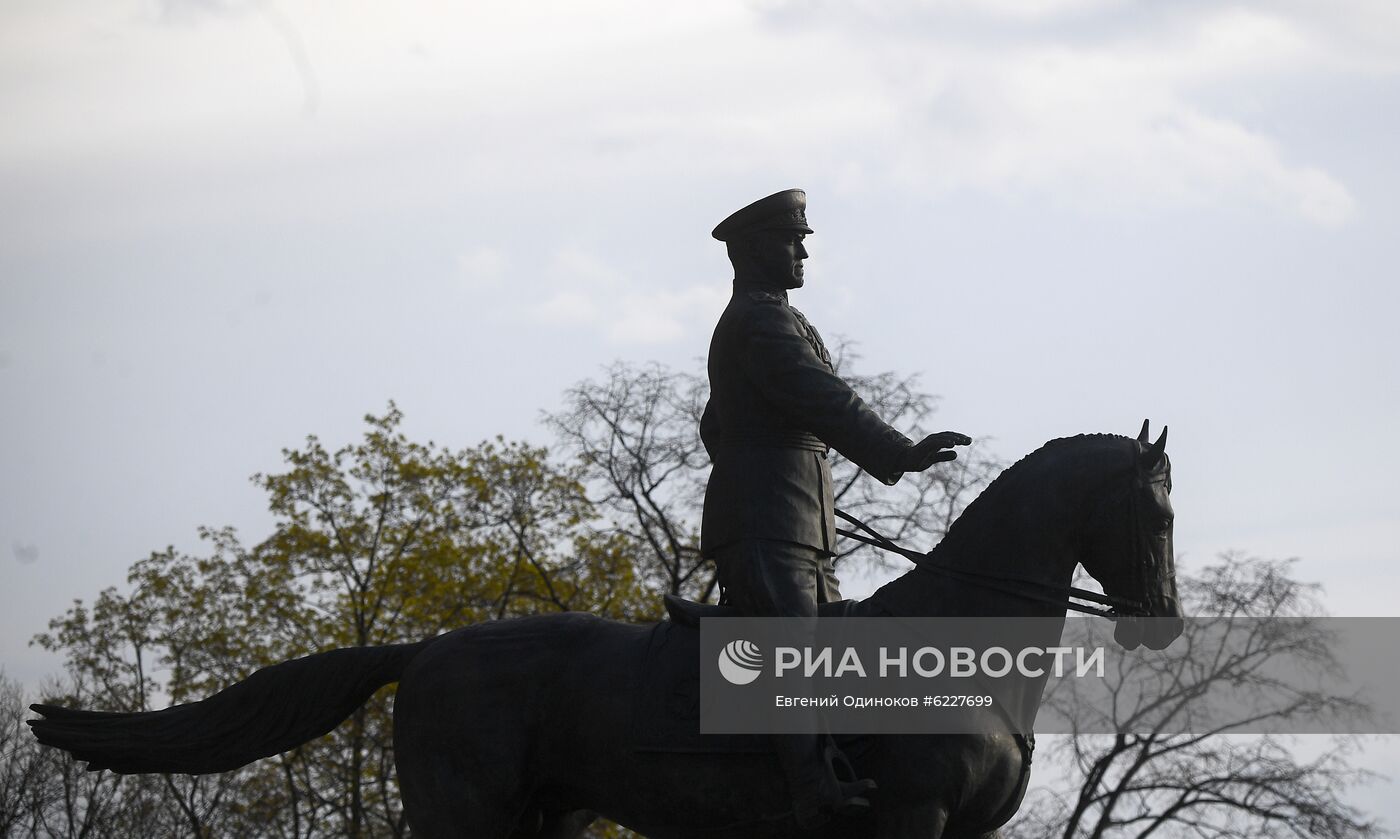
[{"x": 933, "y": 449}]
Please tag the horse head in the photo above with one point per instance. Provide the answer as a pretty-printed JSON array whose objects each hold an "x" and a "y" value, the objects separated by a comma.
[{"x": 1127, "y": 546}]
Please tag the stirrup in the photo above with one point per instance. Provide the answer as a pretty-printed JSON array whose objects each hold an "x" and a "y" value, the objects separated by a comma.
[
  {"x": 853, "y": 797},
  {"x": 851, "y": 790},
  {"x": 850, "y": 801},
  {"x": 840, "y": 764}
]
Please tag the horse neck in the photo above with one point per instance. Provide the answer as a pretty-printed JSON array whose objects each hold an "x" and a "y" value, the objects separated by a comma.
[{"x": 1025, "y": 527}]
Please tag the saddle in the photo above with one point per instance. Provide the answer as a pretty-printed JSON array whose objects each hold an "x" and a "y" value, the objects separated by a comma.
[
  {"x": 666, "y": 714},
  {"x": 688, "y": 612}
]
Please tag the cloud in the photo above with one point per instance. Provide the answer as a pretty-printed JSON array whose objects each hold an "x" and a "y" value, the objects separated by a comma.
[
  {"x": 1108, "y": 104},
  {"x": 188, "y": 11},
  {"x": 568, "y": 308},
  {"x": 904, "y": 10},
  {"x": 588, "y": 292},
  {"x": 666, "y": 316},
  {"x": 482, "y": 268},
  {"x": 1112, "y": 118}
]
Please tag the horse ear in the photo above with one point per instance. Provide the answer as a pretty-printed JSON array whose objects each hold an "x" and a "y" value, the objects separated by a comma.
[
  {"x": 1142, "y": 435},
  {"x": 1152, "y": 458}
]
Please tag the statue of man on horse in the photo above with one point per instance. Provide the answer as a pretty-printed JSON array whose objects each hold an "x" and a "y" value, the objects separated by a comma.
[
  {"x": 776, "y": 406},
  {"x": 531, "y": 727}
]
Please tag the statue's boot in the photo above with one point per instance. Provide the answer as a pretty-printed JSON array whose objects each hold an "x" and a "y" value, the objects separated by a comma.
[{"x": 810, "y": 763}]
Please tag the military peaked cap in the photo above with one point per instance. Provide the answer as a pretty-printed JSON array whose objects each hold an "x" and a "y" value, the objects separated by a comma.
[{"x": 786, "y": 210}]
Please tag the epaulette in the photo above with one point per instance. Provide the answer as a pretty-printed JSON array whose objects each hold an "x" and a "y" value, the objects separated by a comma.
[{"x": 767, "y": 297}]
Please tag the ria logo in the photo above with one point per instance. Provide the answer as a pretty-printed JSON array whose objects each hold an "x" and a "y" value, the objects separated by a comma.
[{"x": 740, "y": 662}]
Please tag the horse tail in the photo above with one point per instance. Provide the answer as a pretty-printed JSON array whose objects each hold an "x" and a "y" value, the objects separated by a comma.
[{"x": 275, "y": 709}]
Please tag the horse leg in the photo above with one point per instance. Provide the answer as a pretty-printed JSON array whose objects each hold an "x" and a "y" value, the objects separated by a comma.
[
  {"x": 924, "y": 822},
  {"x": 442, "y": 799},
  {"x": 462, "y": 772}
]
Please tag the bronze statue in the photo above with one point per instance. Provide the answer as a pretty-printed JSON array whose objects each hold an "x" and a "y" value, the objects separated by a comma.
[
  {"x": 524, "y": 727},
  {"x": 776, "y": 405}
]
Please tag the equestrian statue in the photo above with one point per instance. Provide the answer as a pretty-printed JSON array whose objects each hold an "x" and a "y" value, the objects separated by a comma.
[{"x": 530, "y": 728}]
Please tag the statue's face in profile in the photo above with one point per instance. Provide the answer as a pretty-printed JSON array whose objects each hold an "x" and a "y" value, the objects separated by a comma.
[{"x": 779, "y": 254}]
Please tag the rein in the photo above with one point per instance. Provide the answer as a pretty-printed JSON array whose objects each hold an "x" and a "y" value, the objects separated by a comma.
[{"x": 1042, "y": 592}]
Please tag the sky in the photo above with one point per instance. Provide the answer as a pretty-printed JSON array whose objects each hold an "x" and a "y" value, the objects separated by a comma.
[{"x": 233, "y": 223}]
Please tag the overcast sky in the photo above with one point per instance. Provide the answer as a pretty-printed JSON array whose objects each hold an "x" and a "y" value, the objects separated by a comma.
[{"x": 229, "y": 224}]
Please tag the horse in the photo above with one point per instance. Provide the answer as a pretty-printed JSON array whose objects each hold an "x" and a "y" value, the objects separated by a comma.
[{"x": 519, "y": 728}]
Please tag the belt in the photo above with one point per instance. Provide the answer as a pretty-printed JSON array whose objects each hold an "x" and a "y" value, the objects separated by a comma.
[{"x": 776, "y": 439}]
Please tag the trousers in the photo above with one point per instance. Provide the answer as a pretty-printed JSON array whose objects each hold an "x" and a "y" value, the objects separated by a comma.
[
  {"x": 766, "y": 578},
  {"x": 771, "y": 579}
]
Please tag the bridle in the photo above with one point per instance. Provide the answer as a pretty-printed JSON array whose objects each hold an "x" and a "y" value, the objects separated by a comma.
[{"x": 1061, "y": 597}]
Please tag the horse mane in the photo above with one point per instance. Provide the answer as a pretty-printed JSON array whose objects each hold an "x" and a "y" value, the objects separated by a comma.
[{"x": 991, "y": 496}]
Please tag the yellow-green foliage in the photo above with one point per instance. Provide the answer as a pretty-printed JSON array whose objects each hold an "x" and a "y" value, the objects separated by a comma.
[{"x": 378, "y": 542}]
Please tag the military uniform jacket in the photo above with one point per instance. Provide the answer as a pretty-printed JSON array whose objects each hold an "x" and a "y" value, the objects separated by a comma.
[{"x": 776, "y": 404}]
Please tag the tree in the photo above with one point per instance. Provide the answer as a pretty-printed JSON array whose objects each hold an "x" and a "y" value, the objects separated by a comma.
[
  {"x": 388, "y": 540},
  {"x": 380, "y": 542},
  {"x": 1210, "y": 782},
  {"x": 636, "y": 437},
  {"x": 19, "y": 776},
  {"x": 44, "y": 792}
]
